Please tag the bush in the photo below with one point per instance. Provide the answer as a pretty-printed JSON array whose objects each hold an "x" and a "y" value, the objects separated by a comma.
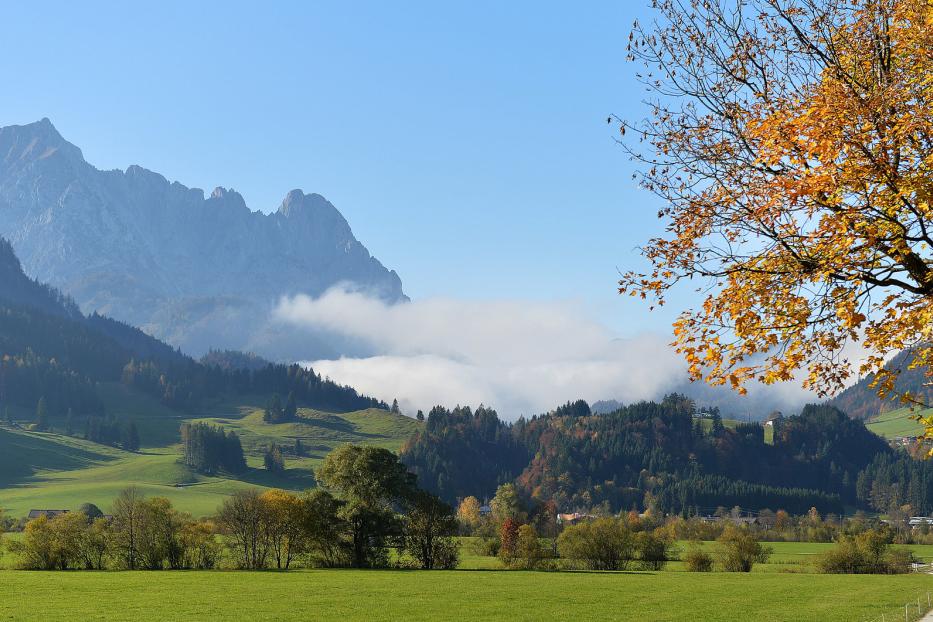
[
  {"x": 698, "y": 560},
  {"x": 446, "y": 554},
  {"x": 52, "y": 543},
  {"x": 739, "y": 550},
  {"x": 654, "y": 549},
  {"x": 603, "y": 544},
  {"x": 867, "y": 553},
  {"x": 529, "y": 554},
  {"x": 485, "y": 547}
]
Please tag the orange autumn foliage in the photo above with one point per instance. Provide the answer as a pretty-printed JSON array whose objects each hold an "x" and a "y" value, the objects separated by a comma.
[{"x": 791, "y": 142}]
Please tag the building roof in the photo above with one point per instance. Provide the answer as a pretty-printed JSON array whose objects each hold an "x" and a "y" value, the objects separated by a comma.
[{"x": 46, "y": 513}]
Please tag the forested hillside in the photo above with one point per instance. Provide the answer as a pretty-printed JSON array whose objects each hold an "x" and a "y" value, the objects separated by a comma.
[
  {"x": 862, "y": 402},
  {"x": 650, "y": 454},
  {"x": 49, "y": 350}
]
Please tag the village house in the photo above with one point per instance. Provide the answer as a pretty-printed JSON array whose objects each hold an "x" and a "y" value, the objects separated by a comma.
[{"x": 33, "y": 514}]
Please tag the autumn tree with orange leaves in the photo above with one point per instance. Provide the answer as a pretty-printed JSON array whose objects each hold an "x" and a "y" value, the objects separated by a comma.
[{"x": 791, "y": 142}]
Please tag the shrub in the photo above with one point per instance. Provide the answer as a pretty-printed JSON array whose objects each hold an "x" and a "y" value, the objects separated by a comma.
[
  {"x": 654, "y": 549},
  {"x": 202, "y": 550},
  {"x": 739, "y": 550},
  {"x": 603, "y": 544},
  {"x": 529, "y": 554},
  {"x": 867, "y": 553},
  {"x": 698, "y": 560},
  {"x": 485, "y": 547},
  {"x": 52, "y": 543},
  {"x": 446, "y": 554}
]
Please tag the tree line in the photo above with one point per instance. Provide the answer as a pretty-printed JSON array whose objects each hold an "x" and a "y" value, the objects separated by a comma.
[
  {"x": 366, "y": 508},
  {"x": 657, "y": 455}
]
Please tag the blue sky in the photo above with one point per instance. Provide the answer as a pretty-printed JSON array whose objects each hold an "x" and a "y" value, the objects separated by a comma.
[{"x": 466, "y": 143}]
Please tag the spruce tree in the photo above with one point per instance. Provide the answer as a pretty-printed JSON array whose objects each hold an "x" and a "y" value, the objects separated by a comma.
[
  {"x": 130, "y": 439},
  {"x": 42, "y": 415},
  {"x": 291, "y": 408},
  {"x": 273, "y": 413},
  {"x": 273, "y": 459}
]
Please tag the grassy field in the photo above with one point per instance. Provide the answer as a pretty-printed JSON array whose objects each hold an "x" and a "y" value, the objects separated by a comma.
[
  {"x": 783, "y": 589},
  {"x": 897, "y": 423},
  {"x": 482, "y": 595},
  {"x": 707, "y": 425},
  {"x": 55, "y": 471}
]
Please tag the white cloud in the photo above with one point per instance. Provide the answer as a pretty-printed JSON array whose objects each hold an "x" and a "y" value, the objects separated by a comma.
[{"x": 519, "y": 357}]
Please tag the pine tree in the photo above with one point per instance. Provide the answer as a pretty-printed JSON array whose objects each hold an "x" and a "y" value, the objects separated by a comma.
[
  {"x": 273, "y": 413},
  {"x": 273, "y": 459},
  {"x": 420, "y": 415},
  {"x": 291, "y": 408},
  {"x": 42, "y": 415},
  {"x": 395, "y": 407},
  {"x": 299, "y": 450},
  {"x": 130, "y": 439},
  {"x": 70, "y": 423}
]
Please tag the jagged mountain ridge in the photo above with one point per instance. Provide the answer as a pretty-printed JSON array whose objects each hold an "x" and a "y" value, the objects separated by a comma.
[{"x": 195, "y": 271}]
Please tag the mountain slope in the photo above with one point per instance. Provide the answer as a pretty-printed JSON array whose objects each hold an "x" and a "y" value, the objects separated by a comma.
[
  {"x": 196, "y": 271},
  {"x": 98, "y": 378},
  {"x": 862, "y": 402},
  {"x": 49, "y": 350}
]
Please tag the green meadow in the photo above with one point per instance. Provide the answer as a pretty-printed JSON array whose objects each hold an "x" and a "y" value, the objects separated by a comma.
[
  {"x": 57, "y": 471},
  {"x": 439, "y": 595},
  {"x": 898, "y": 423}
]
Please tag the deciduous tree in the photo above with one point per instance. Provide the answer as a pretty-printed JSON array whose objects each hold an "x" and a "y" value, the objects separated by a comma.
[
  {"x": 790, "y": 144},
  {"x": 430, "y": 528}
]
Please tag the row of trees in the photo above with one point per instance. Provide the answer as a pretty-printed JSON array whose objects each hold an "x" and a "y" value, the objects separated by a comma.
[
  {"x": 185, "y": 384},
  {"x": 367, "y": 507},
  {"x": 101, "y": 428},
  {"x": 142, "y": 533}
]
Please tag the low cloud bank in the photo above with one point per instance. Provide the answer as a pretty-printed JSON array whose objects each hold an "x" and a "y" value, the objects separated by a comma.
[{"x": 521, "y": 358}]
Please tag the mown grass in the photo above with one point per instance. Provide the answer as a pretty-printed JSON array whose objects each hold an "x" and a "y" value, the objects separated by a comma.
[
  {"x": 482, "y": 595},
  {"x": 898, "y": 423}
]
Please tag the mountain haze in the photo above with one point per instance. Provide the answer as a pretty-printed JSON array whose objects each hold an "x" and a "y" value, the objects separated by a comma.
[{"x": 196, "y": 271}]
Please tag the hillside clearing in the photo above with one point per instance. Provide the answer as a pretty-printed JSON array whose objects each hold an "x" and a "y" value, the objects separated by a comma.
[{"x": 898, "y": 423}]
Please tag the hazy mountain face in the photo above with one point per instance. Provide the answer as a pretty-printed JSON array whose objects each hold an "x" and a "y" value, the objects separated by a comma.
[{"x": 196, "y": 271}]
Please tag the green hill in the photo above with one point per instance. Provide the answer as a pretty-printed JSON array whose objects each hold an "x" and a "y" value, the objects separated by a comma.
[{"x": 53, "y": 470}]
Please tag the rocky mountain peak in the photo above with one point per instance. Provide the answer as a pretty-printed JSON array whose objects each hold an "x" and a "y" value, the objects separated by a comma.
[
  {"x": 196, "y": 271},
  {"x": 33, "y": 142}
]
